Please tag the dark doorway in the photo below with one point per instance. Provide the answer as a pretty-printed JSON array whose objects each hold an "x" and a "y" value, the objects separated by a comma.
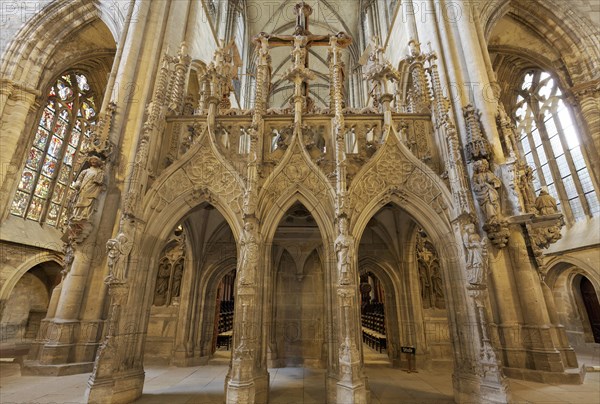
[{"x": 592, "y": 307}]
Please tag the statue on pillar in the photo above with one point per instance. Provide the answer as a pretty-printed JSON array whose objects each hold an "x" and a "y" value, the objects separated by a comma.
[
  {"x": 476, "y": 255},
  {"x": 89, "y": 184},
  {"x": 485, "y": 186},
  {"x": 248, "y": 262},
  {"x": 343, "y": 251},
  {"x": 117, "y": 250}
]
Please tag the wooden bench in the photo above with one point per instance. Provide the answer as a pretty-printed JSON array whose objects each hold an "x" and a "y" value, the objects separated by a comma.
[
  {"x": 374, "y": 339},
  {"x": 224, "y": 339}
]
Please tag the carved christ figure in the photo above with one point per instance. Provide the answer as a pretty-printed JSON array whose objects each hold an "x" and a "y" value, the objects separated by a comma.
[{"x": 302, "y": 39}]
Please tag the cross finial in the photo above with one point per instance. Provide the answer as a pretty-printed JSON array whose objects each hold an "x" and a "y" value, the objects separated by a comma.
[{"x": 302, "y": 11}]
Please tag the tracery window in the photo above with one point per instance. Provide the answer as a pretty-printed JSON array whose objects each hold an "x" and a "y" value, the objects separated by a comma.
[
  {"x": 551, "y": 144},
  {"x": 63, "y": 129}
]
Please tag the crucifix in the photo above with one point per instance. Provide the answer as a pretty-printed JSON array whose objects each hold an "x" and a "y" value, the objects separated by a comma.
[{"x": 301, "y": 41}]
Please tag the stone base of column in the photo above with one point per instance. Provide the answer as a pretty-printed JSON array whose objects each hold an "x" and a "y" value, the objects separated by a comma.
[
  {"x": 255, "y": 391},
  {"x": 472, "y": 389},
  {"x": 35, "y": 368},
  {"x": 576, "y": 376},
  {"x": 342, "y": 392},
  {"x": 123, "y": 387},
  {"x": 54, "y": 343},
  {"x": 567, "y": 353},
  {"x": 356, "y": 393}
]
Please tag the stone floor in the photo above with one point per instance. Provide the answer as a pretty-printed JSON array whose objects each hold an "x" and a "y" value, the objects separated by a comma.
[{"x": 204, "y": 384}]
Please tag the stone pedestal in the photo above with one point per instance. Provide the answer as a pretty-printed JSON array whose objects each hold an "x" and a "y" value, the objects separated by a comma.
[{"x": 124, "y": 387}]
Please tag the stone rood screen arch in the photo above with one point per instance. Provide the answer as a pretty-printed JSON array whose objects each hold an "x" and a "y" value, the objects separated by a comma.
[{"x": 197, "y": 160}]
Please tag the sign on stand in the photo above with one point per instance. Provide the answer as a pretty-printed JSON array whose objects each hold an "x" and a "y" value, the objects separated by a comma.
[{"x": 410, "y": 352}]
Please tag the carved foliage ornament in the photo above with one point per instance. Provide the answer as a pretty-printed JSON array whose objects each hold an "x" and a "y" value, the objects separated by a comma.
[
  {"x": 393, "y": 170},
  {"x": 201, "y": 175}
]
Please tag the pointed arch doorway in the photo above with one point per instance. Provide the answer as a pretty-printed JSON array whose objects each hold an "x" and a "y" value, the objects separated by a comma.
[
  {"x": 298, "y": 293},
  {"x": 402, "y": 291},
  {"x": 591, "y": 305}
]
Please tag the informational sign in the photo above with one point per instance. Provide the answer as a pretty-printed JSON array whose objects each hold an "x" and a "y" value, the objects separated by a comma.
[{"x": 409, "y": 350}]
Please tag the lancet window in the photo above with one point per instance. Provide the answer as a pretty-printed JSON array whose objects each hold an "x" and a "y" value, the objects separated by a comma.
[
  {"x": 552, "y": 145},
  {"x": 61, "y": 131}
]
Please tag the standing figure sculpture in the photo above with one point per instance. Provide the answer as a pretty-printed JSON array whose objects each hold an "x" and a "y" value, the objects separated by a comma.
[
  {"x": 117, "y": 250},
  {"x": 162, "y": 283},
  {"x": 88, "y": 186},
  {"x": 485, "y": 186},
  {"x": 177, "y": 275},
  {"x": 343, "y": 244},
  {"x": 248, "y": 265},
  {"x": 476, "y": 255}
]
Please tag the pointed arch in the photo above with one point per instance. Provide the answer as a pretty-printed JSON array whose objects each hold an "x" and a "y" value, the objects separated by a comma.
[{"x": 30, "y": 52}]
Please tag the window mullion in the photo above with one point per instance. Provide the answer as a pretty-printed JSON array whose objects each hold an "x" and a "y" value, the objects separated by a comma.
[
  {"x": 560, "y": 187},
  {"x": 532, "y": 147},
  {"x": 38, "y": 171},
  {"x": 571, "y": 164}
]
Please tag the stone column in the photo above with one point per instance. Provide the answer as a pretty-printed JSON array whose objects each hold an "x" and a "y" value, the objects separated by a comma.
[
  {"x": 538, "y": 344},
  {"x": 483, "y": 95},
  {"x": 349, "y": 384},
  {"x": 118, "y": 374},
  {"x": 559, "y": 334},
  {"x": 248, "y": 379},
  {"x": 588, "y": 113}
]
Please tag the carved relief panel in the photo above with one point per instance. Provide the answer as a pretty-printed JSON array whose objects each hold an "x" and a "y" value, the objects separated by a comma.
[{"x": 418, "y": 136}]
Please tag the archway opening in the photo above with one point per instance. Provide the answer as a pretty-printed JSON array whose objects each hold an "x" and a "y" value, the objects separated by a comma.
[
  {"x": 224, "y": 317},
  {"x": 372, "y": 314},
  {"x": 194, "y": 279},
  {"x": 26, "y": 307},
  {"x": 297, "y": 334},
  {"x": 591, "y": 306},
  {"x": 402, "y": 290}
]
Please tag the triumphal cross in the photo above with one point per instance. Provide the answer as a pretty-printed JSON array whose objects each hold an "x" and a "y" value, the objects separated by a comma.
[{"x": 301, "y": 41}]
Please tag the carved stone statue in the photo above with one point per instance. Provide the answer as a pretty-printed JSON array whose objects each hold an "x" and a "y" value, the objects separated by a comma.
[
  {"x": 545, "y": 203},
  {"x": 437, "y": 288},
  {"x": 343, "y": 245},
  {"x": 162, "y": 282},
  {"x": 248, "y": 263},
  {"x": 177, "y": 275},
  {"x": 88, "y": 186},
  {"x": 430, "y": 278},
  {"x": 299, "y": 51},
  {"x": 485, "y": 186},
  {"x": 424, "y": 258},
  {"x": 524, "y": 179},
  {"x": 117, "y": 250},
  {"x": 476, "y": 255}
]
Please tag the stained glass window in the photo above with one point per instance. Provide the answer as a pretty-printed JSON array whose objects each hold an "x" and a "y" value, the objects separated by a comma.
[
  {"x": 551, "y": 145},
  {"x": 64, "y": 127}
]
